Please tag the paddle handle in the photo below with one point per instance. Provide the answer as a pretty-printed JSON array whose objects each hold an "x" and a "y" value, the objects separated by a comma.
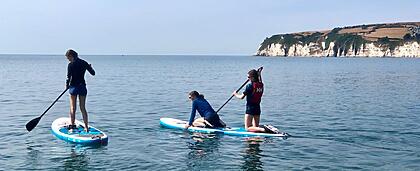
[{"x": 54, "y": 102}]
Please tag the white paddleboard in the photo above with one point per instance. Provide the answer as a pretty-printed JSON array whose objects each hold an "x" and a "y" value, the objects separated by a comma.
[
  {"x": 95, "y": 136},
  {"x": 235, "y": 131}
]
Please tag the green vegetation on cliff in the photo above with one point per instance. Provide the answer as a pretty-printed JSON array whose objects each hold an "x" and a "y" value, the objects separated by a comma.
[
  {"x": 352, "y": 38},
  {"x": 288, "y": 40},
  {"x": 343, "y": 43},
  {"x": 386, "y": 43}
]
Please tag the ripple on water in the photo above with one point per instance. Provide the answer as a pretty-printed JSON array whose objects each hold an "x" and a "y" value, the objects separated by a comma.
[{"x": 344, "y": 114}]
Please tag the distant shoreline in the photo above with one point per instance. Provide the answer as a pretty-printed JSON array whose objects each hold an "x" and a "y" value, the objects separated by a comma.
[
  {"x": 126, "y": 55},
  {"x": 216, "y": 56},
  {"x": 372, "y": 40}
]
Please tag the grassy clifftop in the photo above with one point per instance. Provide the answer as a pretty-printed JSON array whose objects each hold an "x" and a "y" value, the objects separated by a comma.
[{"x": 388, "y": 36}]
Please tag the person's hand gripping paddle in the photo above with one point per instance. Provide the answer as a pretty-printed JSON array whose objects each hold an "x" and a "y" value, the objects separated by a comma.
[{"x": 259, "y": 71}]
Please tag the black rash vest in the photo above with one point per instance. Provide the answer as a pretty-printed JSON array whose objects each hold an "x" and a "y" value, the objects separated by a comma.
[{"x": 76, "y": 72}]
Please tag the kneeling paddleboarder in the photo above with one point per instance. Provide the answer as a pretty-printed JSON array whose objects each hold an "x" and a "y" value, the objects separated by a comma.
[
  {"x": 210, "y": 118},
  {"x": 253, "y": 93}
]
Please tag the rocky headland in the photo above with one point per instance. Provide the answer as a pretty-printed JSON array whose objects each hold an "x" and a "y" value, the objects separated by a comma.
[{"x": 373, "y": 40}]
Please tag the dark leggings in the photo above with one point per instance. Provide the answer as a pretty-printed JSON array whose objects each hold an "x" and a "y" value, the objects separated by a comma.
[{"x": 215, "y": 121}]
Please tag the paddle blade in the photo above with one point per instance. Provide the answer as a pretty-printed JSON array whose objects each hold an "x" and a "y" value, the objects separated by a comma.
[{"x": 32, "y": 124}]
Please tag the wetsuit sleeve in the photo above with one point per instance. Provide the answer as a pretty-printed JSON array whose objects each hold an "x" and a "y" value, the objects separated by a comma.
[
  {"x": 193, "y": 111},
  {"x": 248, "y": 89},
  {"x": 90, "y": 69},
  {"x": 68, "y": 75}
]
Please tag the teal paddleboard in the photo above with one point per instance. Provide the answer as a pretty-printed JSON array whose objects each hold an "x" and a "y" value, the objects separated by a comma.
[
  {"x": 235, "y": 131},
  {"x": 94, "y": 137}
]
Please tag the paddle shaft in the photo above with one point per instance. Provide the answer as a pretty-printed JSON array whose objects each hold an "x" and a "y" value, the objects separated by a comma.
[
  {"x": 32, "y": 124},
  {"x": 54, "y": 102},
  {"x": 232, "y": 95},
  {"x": 259, "y": 71}
]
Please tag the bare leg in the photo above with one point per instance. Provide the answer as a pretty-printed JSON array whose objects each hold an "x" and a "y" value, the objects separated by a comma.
[
  {"x": 251, "y": 123},
  {"x": 256, "y": 121},
  {"x": 82, "y": 102},
  {"x": 72, "y": 109},
  {"x": 199, "y": 122},
  {"x": 248, "y": 121}
]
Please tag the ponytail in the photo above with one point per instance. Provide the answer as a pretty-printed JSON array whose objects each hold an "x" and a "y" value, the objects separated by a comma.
[
  {"x": 196, "y": 94},
  {"x": 254, "y": 75}
]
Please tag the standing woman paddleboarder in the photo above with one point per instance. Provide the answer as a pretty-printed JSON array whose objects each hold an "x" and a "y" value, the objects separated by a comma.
[
  {"x": 77, "y": 86},
  {"x": 253, "y": 93}
]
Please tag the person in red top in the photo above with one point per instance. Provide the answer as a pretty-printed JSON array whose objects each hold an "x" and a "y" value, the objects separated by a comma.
[{"x": 253, "y": 93}]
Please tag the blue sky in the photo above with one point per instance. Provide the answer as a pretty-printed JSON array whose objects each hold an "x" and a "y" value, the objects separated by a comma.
[{"x": 207, "y": 27}]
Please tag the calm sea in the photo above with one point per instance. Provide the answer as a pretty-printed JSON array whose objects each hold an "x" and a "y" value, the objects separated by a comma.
[{"x": 343, "y": 113}]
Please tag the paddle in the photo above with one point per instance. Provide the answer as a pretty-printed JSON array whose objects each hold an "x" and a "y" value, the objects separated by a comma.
[
  {"x": 259, "y": 70},
  {"x": 32, "y": 124}
]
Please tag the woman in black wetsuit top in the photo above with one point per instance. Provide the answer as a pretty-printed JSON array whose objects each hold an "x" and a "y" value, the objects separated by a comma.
[{"x": 77, "y": 85}]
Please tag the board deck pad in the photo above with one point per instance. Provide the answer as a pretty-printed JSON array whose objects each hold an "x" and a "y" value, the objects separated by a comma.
[
  {"x": 94, "y": 136},
  {"x": 234, "y": 131}
]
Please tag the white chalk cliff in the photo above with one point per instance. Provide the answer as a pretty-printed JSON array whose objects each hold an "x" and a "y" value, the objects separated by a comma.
[
  {"x": 408, "y": 49},
  {"x": 375, "y": 40}
]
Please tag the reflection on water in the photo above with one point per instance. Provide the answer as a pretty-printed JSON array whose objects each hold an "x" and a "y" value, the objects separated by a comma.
[
  {"x": 203, "y": 151},
  {"x": 69, "y": 157},
  {"x": 252, "y": 154},
  {"x": 77, "y": 159},
  {"x": 32, "y": 156}
]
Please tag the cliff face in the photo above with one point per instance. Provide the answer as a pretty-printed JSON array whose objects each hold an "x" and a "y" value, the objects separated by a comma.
[{"x": 375, "y": 40}]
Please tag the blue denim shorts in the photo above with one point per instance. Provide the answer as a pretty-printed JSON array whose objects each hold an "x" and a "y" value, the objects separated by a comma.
[{"x": 78, "y": 90}]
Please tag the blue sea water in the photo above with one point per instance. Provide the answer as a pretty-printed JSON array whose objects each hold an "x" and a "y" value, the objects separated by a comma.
[{"x": 343, "y": 113}]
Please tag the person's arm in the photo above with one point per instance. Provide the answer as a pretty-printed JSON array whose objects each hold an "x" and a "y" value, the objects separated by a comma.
[
  {"x": 248, "y": 90},
  {"x": 90, "y": 68},
  {"x": 238, "y": 95},
  {"x": 68, "y": 76},
  {"x": 259, "y": 73},
  {"x": 192, "y": 116}
]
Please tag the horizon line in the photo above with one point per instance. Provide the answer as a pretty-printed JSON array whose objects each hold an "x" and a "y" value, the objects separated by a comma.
[{"x": 91, "y": 54}]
